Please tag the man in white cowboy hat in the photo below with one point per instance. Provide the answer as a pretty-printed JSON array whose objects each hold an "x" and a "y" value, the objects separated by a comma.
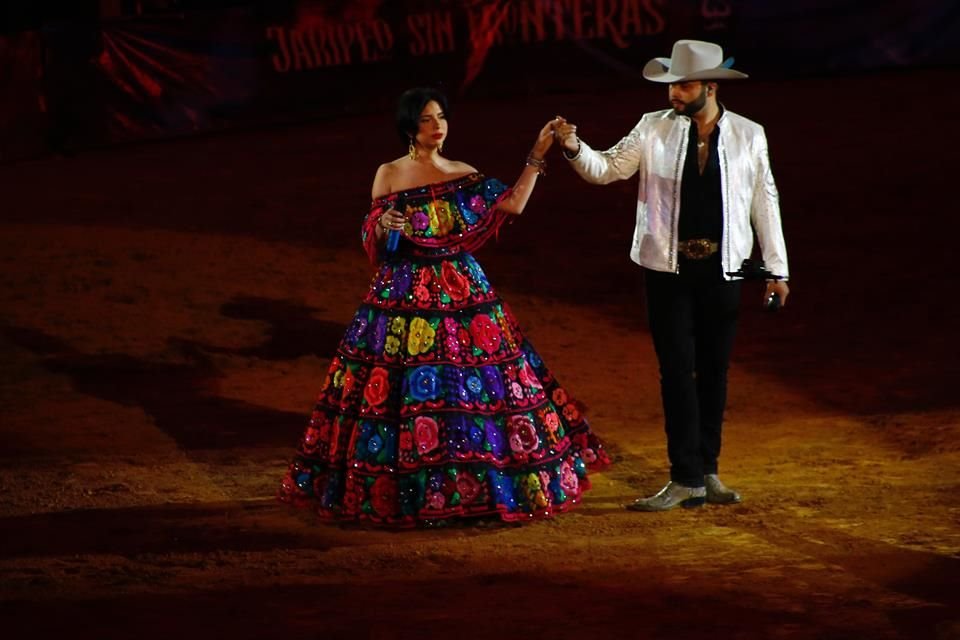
[{"x": 705, "y": 188}]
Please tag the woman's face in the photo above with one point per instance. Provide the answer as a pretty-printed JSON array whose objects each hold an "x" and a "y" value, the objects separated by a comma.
[{"x": 433, "y": 126}]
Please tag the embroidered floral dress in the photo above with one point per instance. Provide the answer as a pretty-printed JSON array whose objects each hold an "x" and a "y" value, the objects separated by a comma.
[{"x": 435, "y": 405}]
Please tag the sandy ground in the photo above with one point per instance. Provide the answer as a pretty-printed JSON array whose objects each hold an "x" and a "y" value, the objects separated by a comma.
[{"x": 168, "y": 311}]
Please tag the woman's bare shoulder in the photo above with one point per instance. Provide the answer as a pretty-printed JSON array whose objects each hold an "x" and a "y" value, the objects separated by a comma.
[
  {"x": 458, "y": 166},
  {"x": 386, "y": 177}
]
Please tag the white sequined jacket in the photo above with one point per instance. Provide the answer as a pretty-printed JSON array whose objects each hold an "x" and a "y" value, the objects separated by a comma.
[{"x": 656, "y": 149}]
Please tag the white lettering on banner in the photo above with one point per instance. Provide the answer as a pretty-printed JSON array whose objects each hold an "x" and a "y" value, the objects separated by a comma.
[
  {"x": 431, "y": 33},
  {"x": 539, "y": 20},
  {"x": 488, "y": 24},
  {"x": 329, "y": 44}
]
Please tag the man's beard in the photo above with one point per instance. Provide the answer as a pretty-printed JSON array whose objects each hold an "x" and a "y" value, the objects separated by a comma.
[{"x": 691, "y": 108}]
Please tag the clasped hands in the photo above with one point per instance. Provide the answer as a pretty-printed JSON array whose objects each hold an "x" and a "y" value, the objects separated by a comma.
[
  {"x": 556, "y": 130},
  {"x": 565, "y": 133}
]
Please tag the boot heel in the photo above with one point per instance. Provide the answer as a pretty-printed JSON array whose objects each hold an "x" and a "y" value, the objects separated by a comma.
[{"x": 693, "y": 503}]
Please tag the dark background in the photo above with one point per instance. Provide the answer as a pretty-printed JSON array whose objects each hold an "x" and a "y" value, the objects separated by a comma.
[{"x": 154, "y": 167}]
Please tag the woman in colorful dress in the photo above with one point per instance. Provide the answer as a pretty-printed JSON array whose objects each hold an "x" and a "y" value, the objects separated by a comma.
[{"x": 436, "y": 407}]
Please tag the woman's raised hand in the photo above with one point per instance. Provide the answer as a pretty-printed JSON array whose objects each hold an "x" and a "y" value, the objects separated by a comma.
[{"x": 544, "y": 140}]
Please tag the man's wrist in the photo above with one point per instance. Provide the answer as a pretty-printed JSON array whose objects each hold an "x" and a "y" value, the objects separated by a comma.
[{"x": 573, "y": 155}]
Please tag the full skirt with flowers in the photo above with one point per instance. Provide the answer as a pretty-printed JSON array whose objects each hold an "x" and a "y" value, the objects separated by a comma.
[{"x": 436, "y": 407}]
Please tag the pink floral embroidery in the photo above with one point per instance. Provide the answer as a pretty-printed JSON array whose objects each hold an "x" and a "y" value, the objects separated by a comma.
[
  {"x": 568, "y": 478},
  {"x": 544, "y": 481},
  {"x": 528, "y": 378},
  {"x": 552, "y": 420},
  {"x": 450, "y": 340},
  {"x": 426, "y": 434},
  {"x": 477, "y": 204},
  {"x": 436, "y": 500}
]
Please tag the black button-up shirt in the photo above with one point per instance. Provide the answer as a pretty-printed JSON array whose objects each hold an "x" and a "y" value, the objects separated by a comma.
[{"x": 701, "y": 197}]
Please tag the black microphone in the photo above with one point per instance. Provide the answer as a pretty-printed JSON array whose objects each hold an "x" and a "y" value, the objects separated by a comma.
[{"x": 772, "y": 303}]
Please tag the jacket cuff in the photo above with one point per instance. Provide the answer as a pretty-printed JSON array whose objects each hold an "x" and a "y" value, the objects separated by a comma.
[{"x": 571, "y": 158}]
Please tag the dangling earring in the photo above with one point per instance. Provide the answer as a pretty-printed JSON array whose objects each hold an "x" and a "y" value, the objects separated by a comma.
[
  {"x": 412, "y": 150},
  {"x": 440, "y": 147}
]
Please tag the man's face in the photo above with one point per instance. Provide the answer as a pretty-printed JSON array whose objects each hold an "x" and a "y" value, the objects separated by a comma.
[{"x": 687, "y": 98}]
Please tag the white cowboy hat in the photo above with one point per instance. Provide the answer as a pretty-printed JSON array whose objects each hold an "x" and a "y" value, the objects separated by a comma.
[{"x": 692, "y": 60}]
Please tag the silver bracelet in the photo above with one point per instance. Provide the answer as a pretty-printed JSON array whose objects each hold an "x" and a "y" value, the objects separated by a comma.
[{"x": 539, "y": 163}]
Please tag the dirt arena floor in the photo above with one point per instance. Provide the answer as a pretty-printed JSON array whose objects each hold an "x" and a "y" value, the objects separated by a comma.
[{"x": 169, "y": 309}]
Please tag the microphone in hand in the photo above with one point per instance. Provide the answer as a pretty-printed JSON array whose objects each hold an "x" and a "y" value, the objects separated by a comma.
[
  {"x": 772, "y": 303},
  {"x": 755, "y": 270},
  {"x": 393, "y": 236}
]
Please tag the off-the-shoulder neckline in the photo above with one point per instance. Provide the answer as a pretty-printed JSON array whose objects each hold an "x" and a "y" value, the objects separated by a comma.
[{"x": 467, "y": 177}]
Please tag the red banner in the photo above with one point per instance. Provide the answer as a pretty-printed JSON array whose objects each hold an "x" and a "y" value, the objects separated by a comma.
[{"x": 177, "y": 73}]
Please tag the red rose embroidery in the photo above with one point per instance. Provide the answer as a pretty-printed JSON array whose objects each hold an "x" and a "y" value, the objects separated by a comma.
[
  {"x": 424, "y": 277},
  {"x": 456, "y": 286},
  {"x": 522, "y": 434},
  {"x": 468, "y": 486},
  {"x": 378, "y": 387},
  {"x": 351, "y": 502},
  {"x": 310, "y": 438},
  {"x": 559, "y": 397},
  {"x": 385, "y": 496},
  {"x": 485, "y": 333}
]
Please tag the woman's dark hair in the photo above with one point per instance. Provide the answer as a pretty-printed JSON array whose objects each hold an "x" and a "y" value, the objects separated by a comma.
[{"x": 409, "y": 107}]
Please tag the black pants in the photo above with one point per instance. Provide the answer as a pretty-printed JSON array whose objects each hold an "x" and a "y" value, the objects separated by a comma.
[{"x": 693, "y": 319}]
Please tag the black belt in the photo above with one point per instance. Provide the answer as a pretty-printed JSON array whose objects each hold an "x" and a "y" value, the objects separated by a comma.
[{"x": 697, "y": 248}]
